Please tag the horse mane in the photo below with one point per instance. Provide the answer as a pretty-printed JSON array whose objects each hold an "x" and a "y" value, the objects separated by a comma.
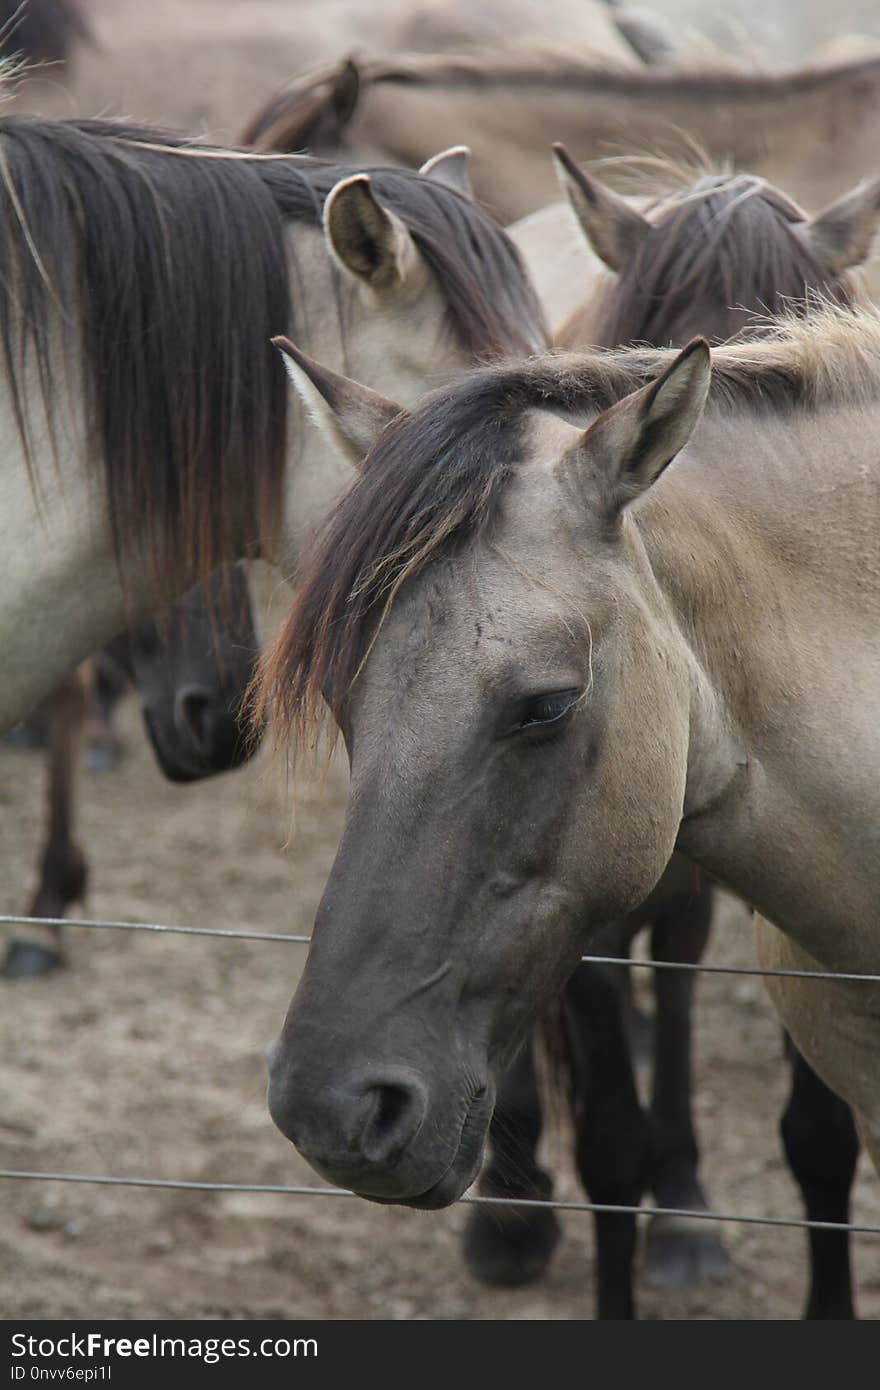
[
  {"x": 169, "y": 262},
  {"x": 434, "y": 482},
  {"x": 729, "y": 241},
  {"x": 42, "y": 31},
  {"x": 293, "y": 111}
]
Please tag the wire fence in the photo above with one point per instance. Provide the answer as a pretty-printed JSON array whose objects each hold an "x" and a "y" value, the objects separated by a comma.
[
  {"x": 8, "y": 919},
  {"x": 680, "y": 1213}
]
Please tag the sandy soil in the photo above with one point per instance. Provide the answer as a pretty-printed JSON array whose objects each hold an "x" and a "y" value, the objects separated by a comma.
[{"x": 145, "y": 1058}]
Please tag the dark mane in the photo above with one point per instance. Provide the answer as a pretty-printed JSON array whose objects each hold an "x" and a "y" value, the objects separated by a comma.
[
  {"x": 163, "y": 266},
  {"x": 727, "y": 247},
  {"x": 435, "y": 481},
  {"x": 554, "y": 65},
  {"x": 42, "y": 31},
  {"x": 293, "y": 113}
]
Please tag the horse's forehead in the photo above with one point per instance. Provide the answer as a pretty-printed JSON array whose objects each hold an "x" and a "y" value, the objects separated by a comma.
[{"x": 537, "y": 509}]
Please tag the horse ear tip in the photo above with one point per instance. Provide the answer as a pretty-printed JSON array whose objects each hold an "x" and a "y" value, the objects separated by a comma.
[
  {"x": 698, "y": 344},
  {"x": 287, "y": 348}
]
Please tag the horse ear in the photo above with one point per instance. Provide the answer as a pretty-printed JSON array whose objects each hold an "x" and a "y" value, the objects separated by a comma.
[
  {"x": 629, "y": 445},
  {"x": 308, "y": 114},
  {"x": 351, "y": 416},
  {"x": 841, "y": 235},
  {"x": 368, "y": 240},
  {"x": 451, "y": 167},
  {"x": 613, "y": 228},
  {"x": 345, "y": 90}
]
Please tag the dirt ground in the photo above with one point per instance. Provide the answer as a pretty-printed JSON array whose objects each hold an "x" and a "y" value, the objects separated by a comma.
[{"x": 145, "y": 1058}]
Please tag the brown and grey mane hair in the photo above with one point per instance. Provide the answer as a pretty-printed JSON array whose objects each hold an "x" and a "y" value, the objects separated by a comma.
[
  {"x": 162, "y": 268},
  {"x": 724, "y": 247},
  {"x": 435, "y": 481},
  {"x": 42, "y": 31}
]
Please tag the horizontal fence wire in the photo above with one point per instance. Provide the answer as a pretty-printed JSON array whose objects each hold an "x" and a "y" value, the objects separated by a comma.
[
  {"x": 168, "y": 1184},
  {"x": 12, "y": 919},
  {"x": 530, "y": 1203}
]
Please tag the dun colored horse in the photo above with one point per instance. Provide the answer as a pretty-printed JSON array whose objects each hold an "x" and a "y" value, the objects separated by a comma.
[
  {"x": 714, "y": 256},
  {"x": 608, "y": 658}
]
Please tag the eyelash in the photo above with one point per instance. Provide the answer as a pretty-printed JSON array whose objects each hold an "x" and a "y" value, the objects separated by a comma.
[{"x": 541, "y": 730}]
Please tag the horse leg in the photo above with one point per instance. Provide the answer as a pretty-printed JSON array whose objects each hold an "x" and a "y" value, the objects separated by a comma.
[
  {"x": 678, "y": 1251},
  {"x": 612, "y": 1131},
  {"x": 508, "y": 1245},
  {"x": 822, "y": 1148},
  {"x": 37, "y": 951},
  {"x": 104, "y": 746}
]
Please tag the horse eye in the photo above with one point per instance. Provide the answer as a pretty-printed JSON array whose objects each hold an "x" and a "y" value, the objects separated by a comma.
[{"x": 544, "y": 710}]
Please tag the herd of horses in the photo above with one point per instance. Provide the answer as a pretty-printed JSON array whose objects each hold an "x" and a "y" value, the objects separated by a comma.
[{"x": 594, "y": 604}]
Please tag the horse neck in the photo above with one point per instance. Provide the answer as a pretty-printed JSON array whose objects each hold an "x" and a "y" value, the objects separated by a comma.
[{"x": 752, "y": 539}]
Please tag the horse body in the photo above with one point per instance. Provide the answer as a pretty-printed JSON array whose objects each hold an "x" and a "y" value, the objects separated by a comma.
[{"x": 601, "y": 670}]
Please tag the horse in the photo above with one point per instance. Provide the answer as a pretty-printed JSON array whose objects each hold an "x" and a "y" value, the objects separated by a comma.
[
  {"x": 812, "y": 130},
  {"x": 609, "y": 657},
  {"x": 159, "y": 448},
  {"x": 713, "y": 257},
  {"x": 191, "y": 671}
]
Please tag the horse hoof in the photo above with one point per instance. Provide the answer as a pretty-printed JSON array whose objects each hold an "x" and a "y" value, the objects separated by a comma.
[
  {"x": 508, "y": 1246},
  {"x": 679, "y": 1252},
  {"x": 26, "y": 960}
]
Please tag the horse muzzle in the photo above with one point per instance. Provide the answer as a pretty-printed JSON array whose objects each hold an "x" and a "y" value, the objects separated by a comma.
[{"x": 379, "y": 1134}]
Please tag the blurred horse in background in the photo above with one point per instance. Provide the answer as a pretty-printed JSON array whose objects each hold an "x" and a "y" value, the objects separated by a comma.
[
  {"x": 813, "y": 130},
  {"x": 204, "y": 65}
]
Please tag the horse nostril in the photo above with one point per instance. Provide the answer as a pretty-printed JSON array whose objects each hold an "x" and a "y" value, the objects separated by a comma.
[
  {"x": 194, "y": 716},
  {"x": 397, "y": 1110}
]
